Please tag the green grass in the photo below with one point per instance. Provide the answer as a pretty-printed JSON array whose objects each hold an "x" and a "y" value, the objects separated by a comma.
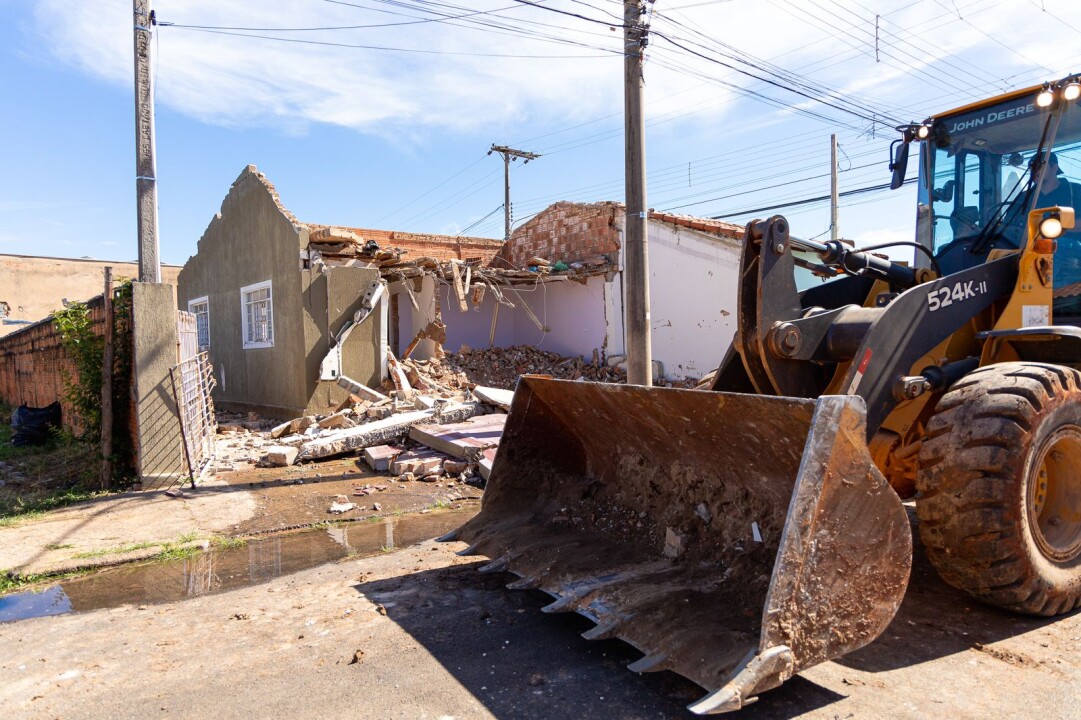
[
  {"x": 172, "y": 551},
  {"x": 220, "y": 542},
  {"x": 59, "y": 473},
  {"x": 10, "y": 582},
  {"x": 119, "y": 550}
]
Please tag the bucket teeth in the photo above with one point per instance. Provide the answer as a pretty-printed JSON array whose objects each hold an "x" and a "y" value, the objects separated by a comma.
[
  {"x": 727, "y": 699},
  {"x": 563, "y": 604},
  {"x": 524, "y": 583},
  {"x": 650, "y": 663},
  {"x": 471, "y": 550},
  {"x": 601, "y": 632},
  {"x": 497, "y": 565},
  {"x": 451, "y": 536}
]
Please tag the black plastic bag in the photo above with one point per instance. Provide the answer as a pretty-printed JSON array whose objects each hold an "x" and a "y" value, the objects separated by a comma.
[{"x": 34, "y": 426}]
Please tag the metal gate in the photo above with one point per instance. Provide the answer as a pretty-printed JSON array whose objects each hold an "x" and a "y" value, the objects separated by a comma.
[
  {"x": 193, "y": 379},
  {"x": 187, "y": 333}
]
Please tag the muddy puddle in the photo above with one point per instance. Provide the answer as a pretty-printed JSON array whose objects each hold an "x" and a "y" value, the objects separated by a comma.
[{"x": 214, "y": 571}]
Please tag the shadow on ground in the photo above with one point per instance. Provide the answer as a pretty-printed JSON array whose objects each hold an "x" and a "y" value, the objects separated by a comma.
[{"x": 522, "y": 663}]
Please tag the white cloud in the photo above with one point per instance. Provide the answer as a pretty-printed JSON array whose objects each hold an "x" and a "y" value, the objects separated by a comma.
[
  {"x": 244, "y": 82},
  {"x": 235, "y": 81}
]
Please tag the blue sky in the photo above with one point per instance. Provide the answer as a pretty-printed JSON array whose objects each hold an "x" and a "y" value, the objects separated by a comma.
[{"x": 397, "y": 139}]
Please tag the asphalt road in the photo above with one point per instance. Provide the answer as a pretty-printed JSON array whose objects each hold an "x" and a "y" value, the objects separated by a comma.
[{"x": 419, "y": 633}]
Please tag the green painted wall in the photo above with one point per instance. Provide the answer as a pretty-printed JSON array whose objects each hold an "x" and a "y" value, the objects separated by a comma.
[{"x": 254, "y": 239}]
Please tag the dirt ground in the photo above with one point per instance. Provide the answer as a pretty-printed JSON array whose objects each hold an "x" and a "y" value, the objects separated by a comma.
[
  {"x": 301, "y": 494},
  {"x": 419, "y": 633}
]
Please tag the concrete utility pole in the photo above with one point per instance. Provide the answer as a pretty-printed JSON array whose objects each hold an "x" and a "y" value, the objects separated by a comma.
[
  {"x": 509, "y": 155},
  {"x": 146, "y": 189},
  {"x": 639, "y": 341},
  {"x": 835, "y": 231}
]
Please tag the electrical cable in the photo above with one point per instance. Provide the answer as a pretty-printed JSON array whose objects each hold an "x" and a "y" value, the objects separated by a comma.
[{"x": 796, "y": 203}]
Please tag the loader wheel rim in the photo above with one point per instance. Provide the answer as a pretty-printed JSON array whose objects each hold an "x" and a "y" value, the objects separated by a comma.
[{"x": 1054, "y": 495}]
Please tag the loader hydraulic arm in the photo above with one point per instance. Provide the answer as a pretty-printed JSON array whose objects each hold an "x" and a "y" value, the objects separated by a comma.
[
  {"x": 834, "y": 253},
  {"x": 785, "y": 347}
]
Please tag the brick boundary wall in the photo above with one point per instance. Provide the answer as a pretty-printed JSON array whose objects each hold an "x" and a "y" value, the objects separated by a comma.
[{"x": 34, "y": 364}]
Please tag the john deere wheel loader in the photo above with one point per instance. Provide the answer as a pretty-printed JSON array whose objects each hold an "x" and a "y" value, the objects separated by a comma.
[{"x": 739, "y": 535}]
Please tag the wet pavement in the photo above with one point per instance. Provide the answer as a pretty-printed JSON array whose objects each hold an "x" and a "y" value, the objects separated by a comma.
[{"x": 255, "y": 562}]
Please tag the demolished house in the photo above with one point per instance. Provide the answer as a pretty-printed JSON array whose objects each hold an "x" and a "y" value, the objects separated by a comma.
[
  {"x": 297, "y": 317},
  {"x": 564, "y": 268},
  {"x": 270, "y": 309}
]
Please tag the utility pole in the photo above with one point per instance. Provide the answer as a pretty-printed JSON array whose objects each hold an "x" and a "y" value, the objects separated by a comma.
[
  {"x": 509, "y": 155},
  {"x": 146, "y": 190},
  {"x": 639, "y": 341},
  {"x": 835, "y": 231},
  {"x": 107, "y": 386}
]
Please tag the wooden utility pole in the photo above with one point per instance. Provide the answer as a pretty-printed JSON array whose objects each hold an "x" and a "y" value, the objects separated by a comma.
[
  {"x": 146, "y": 189},
  {"x": 639, "y": 341},
  {"x": 107, "y": 387},
  {"x": 835, "y": 231},
  {"x": 509, "y": 155}
]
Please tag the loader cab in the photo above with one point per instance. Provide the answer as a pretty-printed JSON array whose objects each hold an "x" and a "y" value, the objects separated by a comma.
[{"x": 984, "y": 167}]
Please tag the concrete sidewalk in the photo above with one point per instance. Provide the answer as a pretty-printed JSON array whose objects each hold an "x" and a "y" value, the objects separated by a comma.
[{"x": 120, "y": 528}]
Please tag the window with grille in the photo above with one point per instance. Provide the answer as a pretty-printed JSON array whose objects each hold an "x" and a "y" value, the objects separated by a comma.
[
  {"x": 257, "y": 315},
  {"x": 200, "y": 308}
]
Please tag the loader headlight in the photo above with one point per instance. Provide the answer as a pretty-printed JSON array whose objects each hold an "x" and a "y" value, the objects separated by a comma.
[
  {"x": 923, "y": 132},
  {"x": 1051, "y": 227},
  {"x": 1045, "y": 98},
  {"x": 1072, "y": 91}
]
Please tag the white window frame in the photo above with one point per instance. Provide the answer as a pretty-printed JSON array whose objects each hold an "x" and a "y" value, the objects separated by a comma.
[
  {"x": 244, "y": 292},
  {"x": 205, "y": 302}
]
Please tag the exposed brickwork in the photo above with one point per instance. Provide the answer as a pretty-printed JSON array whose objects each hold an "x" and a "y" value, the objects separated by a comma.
[
  {"x": 416, "y": 245},
  {"x": 34, "y": 364},
  {"x": 571, "y": 232},
  {"x": 565, "y": 231}
]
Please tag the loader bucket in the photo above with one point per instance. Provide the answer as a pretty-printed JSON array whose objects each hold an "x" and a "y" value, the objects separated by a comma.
[{"x": 733, "y": 539}]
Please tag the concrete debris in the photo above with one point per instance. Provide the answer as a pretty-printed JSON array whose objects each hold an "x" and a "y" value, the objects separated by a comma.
[
  {"x": 673, "y": 543},
  {"x": 494, "y": 396},
  {"x": 455, "y": 467},
  {"x": 417, "y": 462},
  {"x": 281, "y": 455},
  {"x": 500, "y": 367},
  {"x": 463, "y": 440},
  {"x": 337, "y": 420},
  {"x": 378, "y": 432},
  {"x": 484, "y": 464},
  {"x": 341, "y": 505},
  {"x": 380, "y": 412},
  {"x": 360, "y": 390},
  {"x": 297, "y": 425},
  {"x": 379, "y": 457}
]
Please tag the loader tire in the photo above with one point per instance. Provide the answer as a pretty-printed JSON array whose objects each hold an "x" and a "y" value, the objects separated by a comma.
[{"x": 999, "y": 479}]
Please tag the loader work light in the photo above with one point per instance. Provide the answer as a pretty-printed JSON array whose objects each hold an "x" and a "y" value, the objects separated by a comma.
[
  {"x": 1072, "y": 91},
  {"x": 1051, "y": 227},
  {"x": 923, "y": 132},
  {"x": 1045, "y": 98}
]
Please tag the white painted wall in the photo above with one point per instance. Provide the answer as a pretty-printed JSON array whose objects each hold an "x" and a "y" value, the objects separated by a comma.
[
  {"x": 693, "y": 280},
  {"x": 573, "y": 313},
  {"x": 411, "y": 321},
  {"x": 693, "y": 284}
]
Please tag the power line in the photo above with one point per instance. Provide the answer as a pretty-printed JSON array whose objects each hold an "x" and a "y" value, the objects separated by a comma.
[
  {"x": 464, "y": 230},
  {"x": 808, "y": 201},
  {"x": 610, "y": 53}
]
